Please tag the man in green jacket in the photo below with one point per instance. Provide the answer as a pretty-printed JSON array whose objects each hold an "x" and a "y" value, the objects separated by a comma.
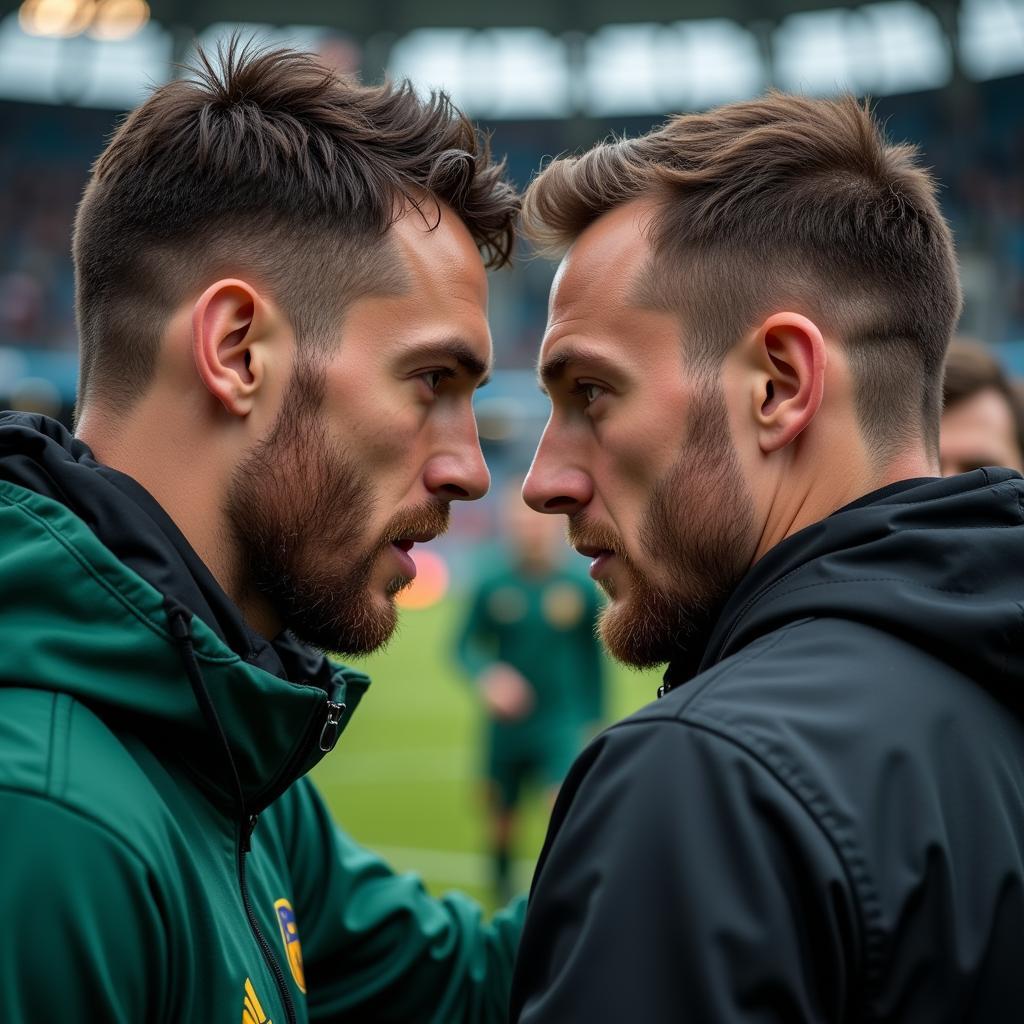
[
  {"x": 282, "y": 313},
  {"x": 528, "y": 641}
]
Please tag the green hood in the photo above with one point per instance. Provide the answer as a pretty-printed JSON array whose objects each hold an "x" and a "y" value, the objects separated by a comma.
[{"x": 75, "y": 617}]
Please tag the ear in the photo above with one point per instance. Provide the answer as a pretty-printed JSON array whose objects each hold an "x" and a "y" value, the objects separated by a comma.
[
  {"x": 790, "y": 356},
  {"x": 230, "y": 323}
]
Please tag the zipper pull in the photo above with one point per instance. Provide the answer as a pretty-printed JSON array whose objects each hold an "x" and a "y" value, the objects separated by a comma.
[
  {"x": 330, "y": 732},
  {"x": 248, "y": 827}
]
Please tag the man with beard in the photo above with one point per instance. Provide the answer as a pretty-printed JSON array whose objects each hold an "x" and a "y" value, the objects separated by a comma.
[
  {"x": 282, "y": 311},
  {"x": 822, "y": 818}
]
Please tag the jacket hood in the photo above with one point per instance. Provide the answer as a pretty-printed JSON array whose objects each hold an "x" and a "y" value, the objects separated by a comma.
[
  {"x": 83, "y": 618},
  {"x": 938, "y": 562}
]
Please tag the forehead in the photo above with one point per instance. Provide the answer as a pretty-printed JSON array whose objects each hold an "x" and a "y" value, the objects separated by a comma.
[
  {"x": 985, "y": 413},
  {"x": 600, "y": 272},
  {"x": 438, "y": 255},
  {"x": 597, "y": 296},
  {"x": 433, "y": 290}
]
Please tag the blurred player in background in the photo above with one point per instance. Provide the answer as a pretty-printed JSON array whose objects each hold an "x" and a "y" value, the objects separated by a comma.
[
  {"x": 282, "y": 310},
  {"x": 529, "y": 641},
  {"x": 982, "y": 413}
]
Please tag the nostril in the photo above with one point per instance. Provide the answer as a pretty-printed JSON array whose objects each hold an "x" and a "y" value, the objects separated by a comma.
[
  {"x": 454, "y": 492},
  {"x": 560, "y": 503}
]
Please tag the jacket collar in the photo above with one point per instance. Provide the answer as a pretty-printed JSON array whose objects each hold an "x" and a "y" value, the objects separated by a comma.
[
  {"x": 117, "y": 562},
  {"x": 933, "y": 560}
]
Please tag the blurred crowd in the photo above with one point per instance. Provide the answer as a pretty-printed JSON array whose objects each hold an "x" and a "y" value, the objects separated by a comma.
[{"x": 972, "y": 140}]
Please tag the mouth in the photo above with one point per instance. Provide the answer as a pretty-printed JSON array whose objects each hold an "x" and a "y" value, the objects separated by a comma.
[
  {"x": 592, "y": 550},
  {"x": 406, "y": 543},
  {"x": 601, "y": 557}
]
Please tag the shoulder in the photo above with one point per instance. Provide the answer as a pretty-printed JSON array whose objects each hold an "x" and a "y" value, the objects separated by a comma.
[{"x": 54, "y": 750}]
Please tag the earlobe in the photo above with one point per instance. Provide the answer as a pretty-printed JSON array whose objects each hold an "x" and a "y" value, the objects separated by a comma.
[
  {"x": 225, "y": 328},
  {"x": 791, "y": 357}
]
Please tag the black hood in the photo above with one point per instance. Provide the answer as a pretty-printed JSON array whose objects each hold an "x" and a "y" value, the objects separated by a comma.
[
  {"x": 41, "y": 455},
  {"x": 937, "y": 562}
]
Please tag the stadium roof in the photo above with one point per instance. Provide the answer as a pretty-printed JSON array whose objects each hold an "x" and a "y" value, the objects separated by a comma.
[{"x": 362, "y": 18}]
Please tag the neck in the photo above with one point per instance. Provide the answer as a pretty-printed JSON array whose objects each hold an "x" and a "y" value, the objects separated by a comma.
[
  {"x": 813, "y": 487},
  {"x": 185, "y": 475}
]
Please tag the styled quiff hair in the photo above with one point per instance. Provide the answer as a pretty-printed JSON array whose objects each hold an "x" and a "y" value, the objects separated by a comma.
[
  {"x": 265, "y": 163},
  {"x": 783, "y": 202}
]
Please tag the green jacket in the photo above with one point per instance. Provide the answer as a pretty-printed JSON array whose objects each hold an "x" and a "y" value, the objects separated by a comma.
[
  {"x": 543, "y": 626},
  {"x": 132, "y": 889}
]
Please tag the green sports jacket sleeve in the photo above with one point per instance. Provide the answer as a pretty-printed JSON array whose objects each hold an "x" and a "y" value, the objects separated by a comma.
[
  {"x": 83, "y": 937},
  {"x": 378, "y": 947}
]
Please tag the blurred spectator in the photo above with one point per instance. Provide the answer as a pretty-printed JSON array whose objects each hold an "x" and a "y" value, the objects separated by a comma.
[
  {"x": 529, "y": 643},
  {"x": 983, "y": 418}
]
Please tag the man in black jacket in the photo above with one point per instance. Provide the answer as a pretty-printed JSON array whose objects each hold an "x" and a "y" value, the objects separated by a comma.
[{"x": 823, "y": 817}]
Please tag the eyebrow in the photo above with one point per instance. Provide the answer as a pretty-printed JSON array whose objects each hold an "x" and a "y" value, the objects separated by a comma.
[
  {"x": 459, "y": 350},
  {"x": 551, "y": 370}
]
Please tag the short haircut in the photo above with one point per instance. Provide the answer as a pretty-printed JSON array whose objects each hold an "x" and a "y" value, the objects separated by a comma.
[
  {"x": 783, "y": 202},
  {"x": 265, "y": 162},
  {"x": 972, "y": 368}
]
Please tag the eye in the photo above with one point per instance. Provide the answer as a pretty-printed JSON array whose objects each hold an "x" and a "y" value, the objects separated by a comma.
[
  {"x": 434, "y": 378},
  {"x": 589, "y": 391}
]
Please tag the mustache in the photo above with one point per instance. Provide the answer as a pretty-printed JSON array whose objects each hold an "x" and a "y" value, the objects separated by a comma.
[
  {"x": 583, "y": 531},
  {"x": 431, "y": 517}
]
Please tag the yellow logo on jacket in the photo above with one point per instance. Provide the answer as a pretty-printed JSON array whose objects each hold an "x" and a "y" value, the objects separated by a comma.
[
  {"x": 290, "y": 938},
  {"x": 252, "y": 1010}
]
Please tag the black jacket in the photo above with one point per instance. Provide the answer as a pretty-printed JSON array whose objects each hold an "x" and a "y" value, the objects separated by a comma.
[{"x": 826, "y": 822}]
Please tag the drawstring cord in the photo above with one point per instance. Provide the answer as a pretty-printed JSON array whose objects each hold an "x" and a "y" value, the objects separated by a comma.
[{"x": 180, "y": 622}]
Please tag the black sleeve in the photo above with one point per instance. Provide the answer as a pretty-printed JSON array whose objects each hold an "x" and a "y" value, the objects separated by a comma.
[{"x": 682, "y": 881}]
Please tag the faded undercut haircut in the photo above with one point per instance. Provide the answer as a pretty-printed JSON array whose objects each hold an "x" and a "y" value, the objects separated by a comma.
[
  {"x": 783, "y": 203},
  {"x": 265, "y": 163}
]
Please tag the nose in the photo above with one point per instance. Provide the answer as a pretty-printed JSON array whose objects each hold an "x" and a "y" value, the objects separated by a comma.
[
  {"x": 554, "y": 484},
  {"x": 460, "y": 475}
]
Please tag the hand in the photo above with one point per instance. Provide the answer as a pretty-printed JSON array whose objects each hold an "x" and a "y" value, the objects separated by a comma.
[{"x": 506, "y": 694}]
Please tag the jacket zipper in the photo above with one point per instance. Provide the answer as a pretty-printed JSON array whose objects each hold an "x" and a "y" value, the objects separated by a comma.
[
  {"x": 244, "y": 845},
  {"x": 179, "y": 620},
  {"x": 328, "y": 737}
]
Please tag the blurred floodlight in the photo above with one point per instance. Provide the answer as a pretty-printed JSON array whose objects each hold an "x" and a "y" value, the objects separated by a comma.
[
  {"x": 992, "y": 37},
  {"x": 121, "y": 72},
  {"x": 909, "y": 49},
  {"x": 118, "y": 19},
  {"x": 645, "y": 69},
  {"x": 296, "y": 37},
  {"x": 881, "y": 49},
  {"x": 433, "y": 59},
  {"x": 83, "y": 71},
  {"x": 818, "y": 52},
  {"x": 497, "y": 73},
  {"x": 59, "y": 18},
  {"x": 621, "y": 72}
]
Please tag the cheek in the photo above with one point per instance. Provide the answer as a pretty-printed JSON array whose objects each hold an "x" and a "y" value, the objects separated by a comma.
[{"x": 633, "y": 461}]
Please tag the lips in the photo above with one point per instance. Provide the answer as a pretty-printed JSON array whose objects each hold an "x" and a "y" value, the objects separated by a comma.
[
  {"x": 406, "y": 543},
  {"x": 592, "y": 550}
]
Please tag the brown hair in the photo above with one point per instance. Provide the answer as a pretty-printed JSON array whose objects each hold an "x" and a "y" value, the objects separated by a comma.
[
  {"x": 783, "y": 201},
  {"x": 268, "y": 162},
  {"x": 971, "y": 368}
]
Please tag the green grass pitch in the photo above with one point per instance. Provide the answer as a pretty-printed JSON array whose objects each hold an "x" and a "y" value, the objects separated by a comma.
[{"x": 404, "y": 778}]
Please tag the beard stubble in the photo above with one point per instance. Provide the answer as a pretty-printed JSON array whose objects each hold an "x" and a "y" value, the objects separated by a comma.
[
  {"x": 297, "y": 508},
  {"x": 698, "y": 525}
]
